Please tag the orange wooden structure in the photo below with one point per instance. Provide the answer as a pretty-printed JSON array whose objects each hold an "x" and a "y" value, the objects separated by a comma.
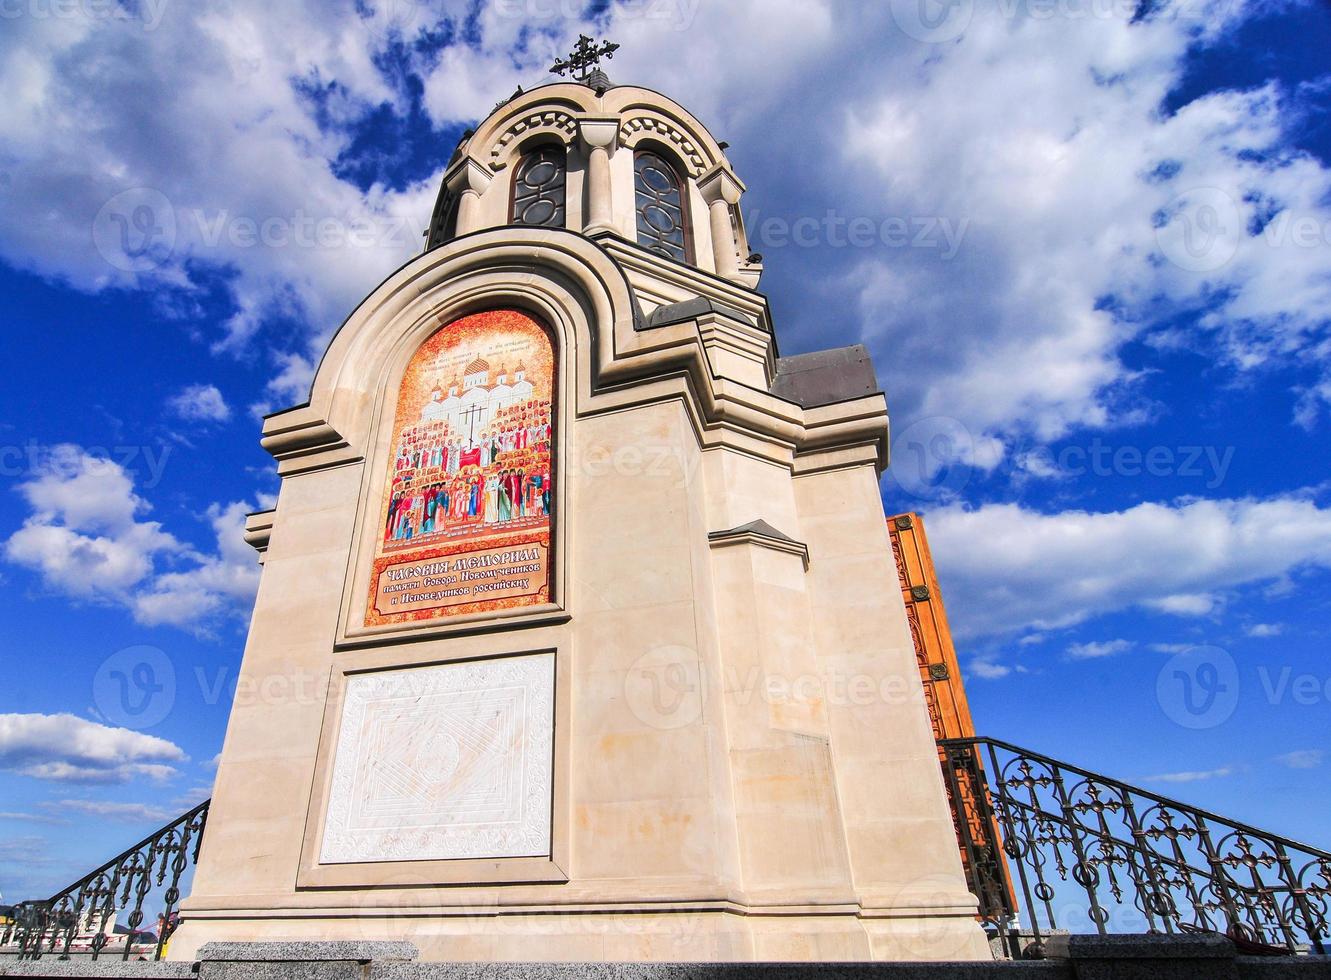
[
  {"x": 945, "y": 694},
  {"x": 937, "y": 657}
]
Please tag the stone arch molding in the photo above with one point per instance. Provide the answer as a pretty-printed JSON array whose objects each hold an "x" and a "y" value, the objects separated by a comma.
[
  {"x": 543, "y": 122},
  {"x": 559, "y": 276},
  {"x": 555, "y": 110},
  {"x": 645, "y": 126}
]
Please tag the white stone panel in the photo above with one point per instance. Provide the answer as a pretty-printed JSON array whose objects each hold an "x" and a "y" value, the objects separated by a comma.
[{"x": 443, "y": 762}]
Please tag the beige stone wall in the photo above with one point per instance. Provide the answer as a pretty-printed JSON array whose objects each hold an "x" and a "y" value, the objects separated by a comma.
[{"x": 743, "y": 763}]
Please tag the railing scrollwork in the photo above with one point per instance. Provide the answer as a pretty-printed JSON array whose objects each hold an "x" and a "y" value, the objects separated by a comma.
[
  {"x": 83, "y": 917},
  {"x": 1076, "y": 842}
]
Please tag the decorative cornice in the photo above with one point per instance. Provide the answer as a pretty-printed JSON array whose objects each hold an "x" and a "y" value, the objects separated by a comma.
[
  {"x": 465, "y": 175},
  {"x": 720, "y": 183},
  {"x": 763, "y": 535},
  {"x": 617, "y": 366},
  {"x": 304, "y": 442},
  {"x": 259, "y": 529},
  {"x": 598, "y": 130}
]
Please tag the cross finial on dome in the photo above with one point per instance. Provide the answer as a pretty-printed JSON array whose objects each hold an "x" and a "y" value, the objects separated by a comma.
[{"x": 585, "y": 59}]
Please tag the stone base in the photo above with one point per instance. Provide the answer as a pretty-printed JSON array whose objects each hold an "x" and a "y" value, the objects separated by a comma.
[
  {"x": 555, "y": 935},
  {"x": 1080, "y": 958}
]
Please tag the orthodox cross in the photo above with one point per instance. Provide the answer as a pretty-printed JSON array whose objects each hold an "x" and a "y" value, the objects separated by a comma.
[
  {"x": 585, "y": 57},
  {"x": 470, "y": 415}
]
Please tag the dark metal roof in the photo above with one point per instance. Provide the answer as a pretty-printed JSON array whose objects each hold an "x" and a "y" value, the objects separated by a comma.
[
  {"x": 826, "y": 376},
  {"x": 758, "y": 527},
  {"x": 690, "y": 309}
]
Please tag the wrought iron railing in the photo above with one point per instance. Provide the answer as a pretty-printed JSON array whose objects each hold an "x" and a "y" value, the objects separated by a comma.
[
  {"x": 1063, "y": 848},
  {"x": 1047, "y": 846},
  {"x": 77, "y": 919}
]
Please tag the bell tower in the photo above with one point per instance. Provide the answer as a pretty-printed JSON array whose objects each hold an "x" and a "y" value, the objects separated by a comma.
[{"x": 605, "y": 658}]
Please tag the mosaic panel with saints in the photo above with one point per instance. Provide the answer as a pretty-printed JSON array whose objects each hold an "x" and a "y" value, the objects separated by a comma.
[{"x": 467, "y": 505}]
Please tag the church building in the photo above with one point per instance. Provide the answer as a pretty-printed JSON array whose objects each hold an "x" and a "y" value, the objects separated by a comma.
[{"x": 580, "y": 634}]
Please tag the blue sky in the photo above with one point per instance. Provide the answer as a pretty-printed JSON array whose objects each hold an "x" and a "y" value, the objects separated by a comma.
[{"x": 1088, "y": 244}]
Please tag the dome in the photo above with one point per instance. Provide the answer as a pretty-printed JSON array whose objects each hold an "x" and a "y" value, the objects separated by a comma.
[
  {"x": 584, "y": 124},
  {"x": 478, "y": 366}
]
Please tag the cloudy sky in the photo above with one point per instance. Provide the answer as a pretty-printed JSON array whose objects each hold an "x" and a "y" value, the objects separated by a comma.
[{"x": 1087, "y": 241}]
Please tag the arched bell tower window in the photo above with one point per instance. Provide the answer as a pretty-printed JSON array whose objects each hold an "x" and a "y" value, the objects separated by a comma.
[
  {"x": 538, "y": 188},
  {"x": 444, "y": 223},
  {"x": 662, "y": 224}
]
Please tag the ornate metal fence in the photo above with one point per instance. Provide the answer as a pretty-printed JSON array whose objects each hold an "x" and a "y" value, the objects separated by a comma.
[
  {"x": 83, "y": 917},
  {"x": 1080, "y": 843}
]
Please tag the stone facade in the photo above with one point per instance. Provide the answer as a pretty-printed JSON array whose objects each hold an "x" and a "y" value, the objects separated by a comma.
[{"x": 723, "y": 732}]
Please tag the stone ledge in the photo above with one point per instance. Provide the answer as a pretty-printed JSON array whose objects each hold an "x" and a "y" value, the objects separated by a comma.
[
  {"x": 83, "y": 967},
  {"x": 1134, "y": 947},
  {"x": 1283, "y": 967},
  {"x": 1072, "y": 958},
  {"x": 721, "y": 971},
  {"x": 307, "y": 952}
]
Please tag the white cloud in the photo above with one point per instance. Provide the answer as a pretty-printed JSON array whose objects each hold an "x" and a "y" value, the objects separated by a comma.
[
  {"x": 192, "y": 797},
  {"x": 164, "y": 159},
  {"x": 84, "y": 536},
  {"x": 1096, "y": 650},
  {"x": 86, "y": 540},
  {"x": 1044, "y": 136},
  {"x": 684, "y": 48},
  {"x": 66, "y": 748},
  {"x": 1191, "y": 777},
  {"x": 31, "y": 817},
  {"x": 1173, "y": 648},
  {"x": 228, "y": 579},
  {"x": 989, "y": 670},
  {"x": 1302, "y": 759},
  {"x": 83, "y": 491},
  {"x": 200, "y": 403},
  {"x": 290, "y": 386},
  {"x": 1066, "y": 169},
  {"x": 67, "y": 772},
  {"x": 127, "y": 812},
  {"x": 1185, "y": 604},
  {"x": 1007, "y": 568},
  {"x": 1265, "y": 630}
]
